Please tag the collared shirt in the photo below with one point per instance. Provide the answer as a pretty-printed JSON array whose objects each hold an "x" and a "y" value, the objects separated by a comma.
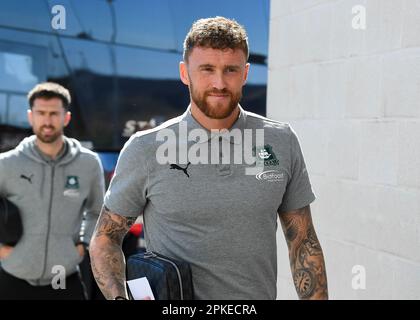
[{"x": 215, "y": 215}]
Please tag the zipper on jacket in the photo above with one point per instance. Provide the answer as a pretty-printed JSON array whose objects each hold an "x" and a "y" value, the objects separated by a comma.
[
  {"x": 48, "y": 221},
  {"x": 150, "y": 254}
]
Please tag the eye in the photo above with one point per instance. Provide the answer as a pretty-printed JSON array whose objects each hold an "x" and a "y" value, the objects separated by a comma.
[{"x": 231, "y": 70}]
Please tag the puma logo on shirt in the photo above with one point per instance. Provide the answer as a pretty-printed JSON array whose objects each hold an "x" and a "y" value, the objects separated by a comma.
[
  {"x": 22, "y": 176},
  {"x": 177, "y": 167}
]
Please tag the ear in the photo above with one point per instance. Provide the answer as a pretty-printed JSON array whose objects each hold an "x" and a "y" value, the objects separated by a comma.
[
  {"x": 183, "y": 73},
  {"x": 30, "y": 115},
  {"x": 67, "y": 118},
  {"x": 246, "y": 73}
]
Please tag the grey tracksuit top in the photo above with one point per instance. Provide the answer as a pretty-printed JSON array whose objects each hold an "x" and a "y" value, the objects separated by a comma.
[{"x": 52, "y": 196}]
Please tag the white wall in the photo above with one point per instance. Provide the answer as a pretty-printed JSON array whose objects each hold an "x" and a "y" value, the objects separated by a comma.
[{"x": 353, "y": 97}]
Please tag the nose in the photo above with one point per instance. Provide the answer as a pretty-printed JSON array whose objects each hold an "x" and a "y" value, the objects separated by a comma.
[
  {"x": 47, "y": 120},
  {"x": 218, "y": 81}
]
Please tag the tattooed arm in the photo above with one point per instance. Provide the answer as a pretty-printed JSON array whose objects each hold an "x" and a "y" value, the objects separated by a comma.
[
  {"x": 305, "y": 253},
  {"x": 107, "y": 258}
]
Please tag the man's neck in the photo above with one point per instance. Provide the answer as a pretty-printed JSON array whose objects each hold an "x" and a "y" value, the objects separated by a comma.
[
  {"x": 216, "y": 124},
  {"x": 50, "y": 149}
]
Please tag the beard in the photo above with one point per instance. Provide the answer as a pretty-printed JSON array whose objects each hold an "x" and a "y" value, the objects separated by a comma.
[
  {"x": 216, "y": 110},
  {"x": 50, "y": 137}
]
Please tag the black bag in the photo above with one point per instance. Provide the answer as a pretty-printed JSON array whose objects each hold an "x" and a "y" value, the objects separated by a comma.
[
  {"x": 169, "y": 279},
  {"x": 11, "y": 228}
]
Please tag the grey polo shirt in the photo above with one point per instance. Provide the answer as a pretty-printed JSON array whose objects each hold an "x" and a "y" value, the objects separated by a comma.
[{"x": 214, "y": 216}]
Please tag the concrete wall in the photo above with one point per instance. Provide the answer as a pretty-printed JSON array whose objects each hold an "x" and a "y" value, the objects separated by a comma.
[{"x": 353, "y": 97}]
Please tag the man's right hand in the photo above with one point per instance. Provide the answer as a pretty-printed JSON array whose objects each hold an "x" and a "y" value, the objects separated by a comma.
[{"x": 5, "y": 251}]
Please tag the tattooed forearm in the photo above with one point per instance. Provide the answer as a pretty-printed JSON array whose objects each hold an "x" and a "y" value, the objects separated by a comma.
[
  {"x": 107, "y": 259},
  {"x": 306, "y": 257},
  {"x": 113, "y": 226}
]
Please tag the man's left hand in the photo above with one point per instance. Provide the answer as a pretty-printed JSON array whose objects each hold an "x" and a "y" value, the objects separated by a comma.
[{"x": 81, "y": 248}]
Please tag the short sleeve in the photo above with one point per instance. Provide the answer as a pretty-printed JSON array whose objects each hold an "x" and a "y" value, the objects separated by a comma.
[
  {"x": 298, "y": 192},
  {"x": 126, "y": 194}
]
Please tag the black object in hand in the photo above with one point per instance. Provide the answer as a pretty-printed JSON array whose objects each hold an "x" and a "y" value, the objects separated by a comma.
[{"x": 11, "y": 228}]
